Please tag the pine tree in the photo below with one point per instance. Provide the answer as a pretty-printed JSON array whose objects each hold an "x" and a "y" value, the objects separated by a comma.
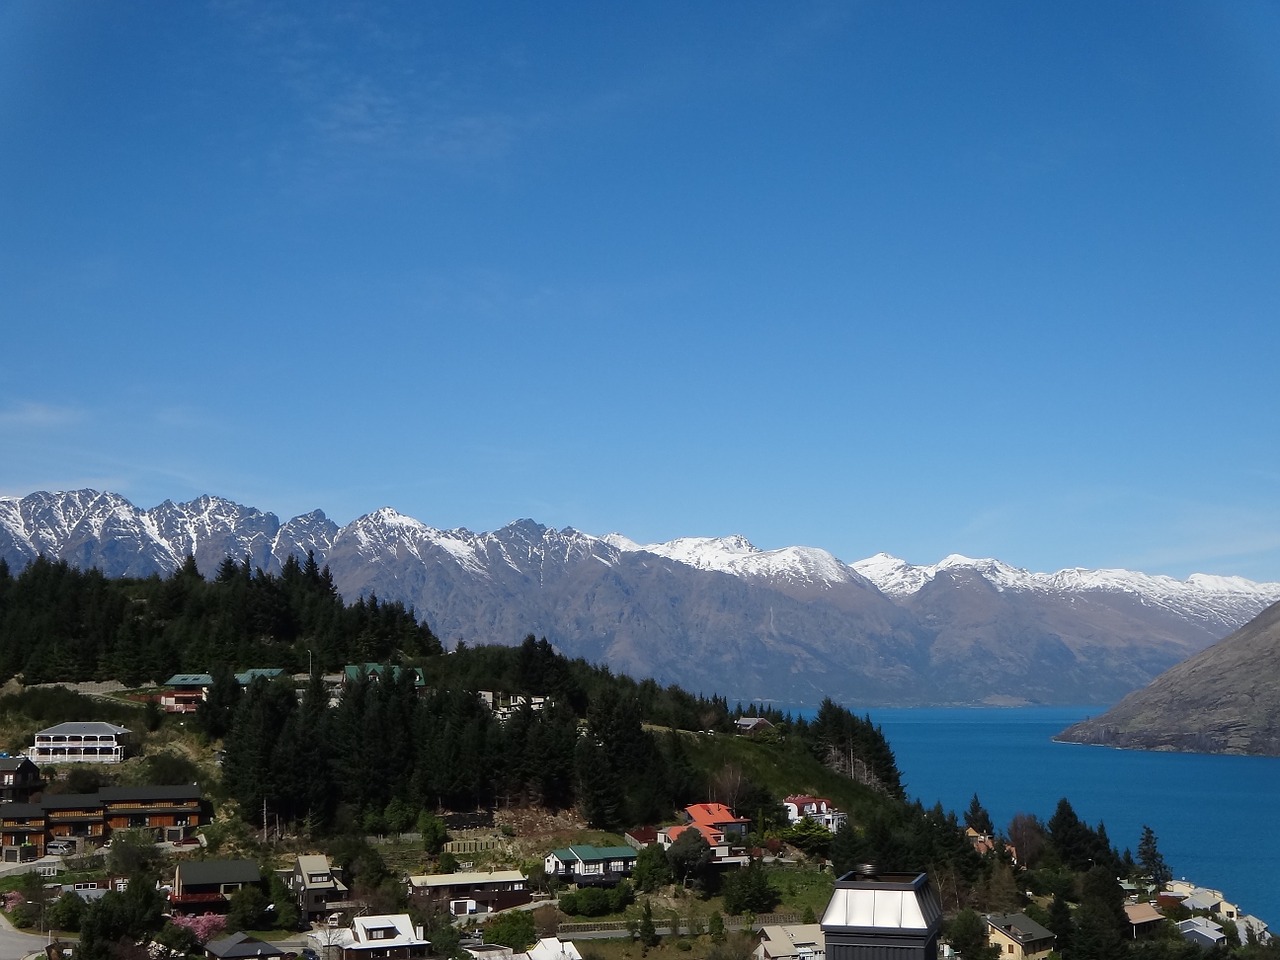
[
  {"x": 978, "y": 818},
  {"x": 1151, "y": 860},
  {"x": 646, "y": 933}
]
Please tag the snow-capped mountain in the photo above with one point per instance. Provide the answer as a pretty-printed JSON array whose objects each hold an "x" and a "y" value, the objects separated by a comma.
[
  {"x": 1215, "y": 600},
  {"x": 738, "y": 556},
  {"x": 713, "y": 614}
]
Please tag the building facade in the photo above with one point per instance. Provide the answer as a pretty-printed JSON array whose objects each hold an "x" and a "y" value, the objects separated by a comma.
[{"x": 80, "y": 741}]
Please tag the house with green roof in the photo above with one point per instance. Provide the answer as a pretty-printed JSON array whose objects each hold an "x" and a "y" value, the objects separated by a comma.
[
  {"x": 587, "y": 865},
  {"x": 246, "y": 677},
  {"x": 377, "y": 671}
]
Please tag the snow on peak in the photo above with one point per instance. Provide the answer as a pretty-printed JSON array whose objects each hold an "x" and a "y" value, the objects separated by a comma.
[
  {"x": 739, "y": 556},
  {"x": 706, "y": 553},
  {"x": 620, "y": 543},
  {"x": 1223, "y": 598}
]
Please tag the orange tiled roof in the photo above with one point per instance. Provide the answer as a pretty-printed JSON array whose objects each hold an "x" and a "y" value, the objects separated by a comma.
[{"x": 712, "y": 814}]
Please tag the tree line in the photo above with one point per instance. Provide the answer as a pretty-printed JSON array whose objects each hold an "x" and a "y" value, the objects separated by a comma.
[
  {"x": 64, "y": 623},
  {"x": 609, "y": 745}
]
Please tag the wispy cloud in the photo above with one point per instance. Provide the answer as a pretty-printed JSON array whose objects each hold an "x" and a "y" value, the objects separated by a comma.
[
  {"x": 373, "y": 93},
  {"x": 35, "y": 415}
]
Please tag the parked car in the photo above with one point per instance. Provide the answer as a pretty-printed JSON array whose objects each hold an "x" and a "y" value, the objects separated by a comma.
[
  {"x": 309, "y": 954},
  {"x": 60, "y": 848}
]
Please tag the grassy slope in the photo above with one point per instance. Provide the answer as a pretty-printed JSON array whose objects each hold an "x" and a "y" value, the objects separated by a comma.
[{"x": 782, "y": 768}]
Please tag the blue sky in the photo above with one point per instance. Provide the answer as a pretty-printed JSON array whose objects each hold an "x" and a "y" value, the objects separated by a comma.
[{"x": 998, "y": 279}]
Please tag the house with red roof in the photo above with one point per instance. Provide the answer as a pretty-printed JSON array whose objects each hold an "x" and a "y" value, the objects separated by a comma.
[
  {"x": 718, "y": 817},
  {"x": 718, "y": 826}
]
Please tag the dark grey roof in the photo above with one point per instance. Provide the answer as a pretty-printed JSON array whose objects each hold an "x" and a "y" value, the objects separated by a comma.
[
  {"x": 81, "y": 728},
  {"x": 182, "y": 791},
  {"x": 1019, "y": 926},
  {"x": 86, "y": 894},
  {"x": 69, "y": 801},
  {"x": 13, "y": 763},
  {"x": 21, "y": 810},
  {"x": 200, "y": 872},
  {"x": 242, "y": 945}
]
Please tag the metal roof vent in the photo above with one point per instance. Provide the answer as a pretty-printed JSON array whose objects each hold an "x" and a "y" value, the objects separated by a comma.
[{"x": 882, "y": 916}]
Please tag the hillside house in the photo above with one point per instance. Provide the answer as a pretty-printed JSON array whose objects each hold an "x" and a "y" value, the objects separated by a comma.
[
  {"x": 385, "y": 937},
  {"x": 503, "y": 706},
  {"x": 169, "y": 812},
  {"x": 586, "y": 865},
  {"x": 552, "y": 948},
  {"x": 985, "y": 843},
  {"x": 185, "y": 693},
  {"x": 475, "y": 892},
  {"x": 723, "y": 851},
  {"x": 80, "y": 741},
  {"x": 71, "y": 816},
  {"x": 1019, "y": 937},
  {"x": 1201, "y": 931},
  {"x": 19, "y": 778},
  {"x": 792, "y": 941},
  {"x": 801, "y": 806},
  {"x": 1144, "y": 919},
  {"x": 719, "y": 827},
  {"x": 246, "y": 677},
  {"x": 718, "y": 817},
  {"x": 750, "y": 726},
  {"x": 317, "y": 887},
  {"x": 22, "y": 831},
  {"x": 241, "y": 946},
  {"x": 380, "y": 672},
  {"x": 206, "y": 886}
]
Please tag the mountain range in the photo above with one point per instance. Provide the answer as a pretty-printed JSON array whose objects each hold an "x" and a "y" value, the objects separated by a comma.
[{"x": 712, "y": 614}]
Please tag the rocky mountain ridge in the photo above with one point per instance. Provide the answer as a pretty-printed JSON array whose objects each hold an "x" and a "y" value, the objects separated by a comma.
[
  {"x": 1225, "y": 699},
  {"x": 715, "y": 614}
]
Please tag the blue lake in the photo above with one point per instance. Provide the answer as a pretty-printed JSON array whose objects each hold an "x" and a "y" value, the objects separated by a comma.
[{"x": 1211, "y": 814}]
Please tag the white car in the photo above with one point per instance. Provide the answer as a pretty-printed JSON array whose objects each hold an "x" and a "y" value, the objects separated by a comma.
[{"x": 60, "y": 848}]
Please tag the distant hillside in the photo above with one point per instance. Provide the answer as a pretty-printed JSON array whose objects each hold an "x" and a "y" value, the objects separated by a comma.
[{"x": 1226, "y": 699}]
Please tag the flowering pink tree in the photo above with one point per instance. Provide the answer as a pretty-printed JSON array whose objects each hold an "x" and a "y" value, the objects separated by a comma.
[
  {"x": 12, "y": 899},
  {"x": 204, "y": 927}
]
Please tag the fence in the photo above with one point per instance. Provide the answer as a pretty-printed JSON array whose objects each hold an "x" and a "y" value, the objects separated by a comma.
[{"x": 474, "y": 845}]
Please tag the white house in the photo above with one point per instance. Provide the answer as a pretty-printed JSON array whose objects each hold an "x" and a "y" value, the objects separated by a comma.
[
  {"x": 89, "y": 741},
  {"x": 1201, "y": 931},
  {"x": 792, "y": 941},
  {"x": 386, "y": 937},
  {"x": 553, "y": 948},
  {"x": 585, "y": 864},
  {"x": 818, "y": 809}
]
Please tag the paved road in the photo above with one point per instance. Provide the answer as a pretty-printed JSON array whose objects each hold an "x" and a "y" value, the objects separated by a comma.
[{"x": 15, "y": 945}]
